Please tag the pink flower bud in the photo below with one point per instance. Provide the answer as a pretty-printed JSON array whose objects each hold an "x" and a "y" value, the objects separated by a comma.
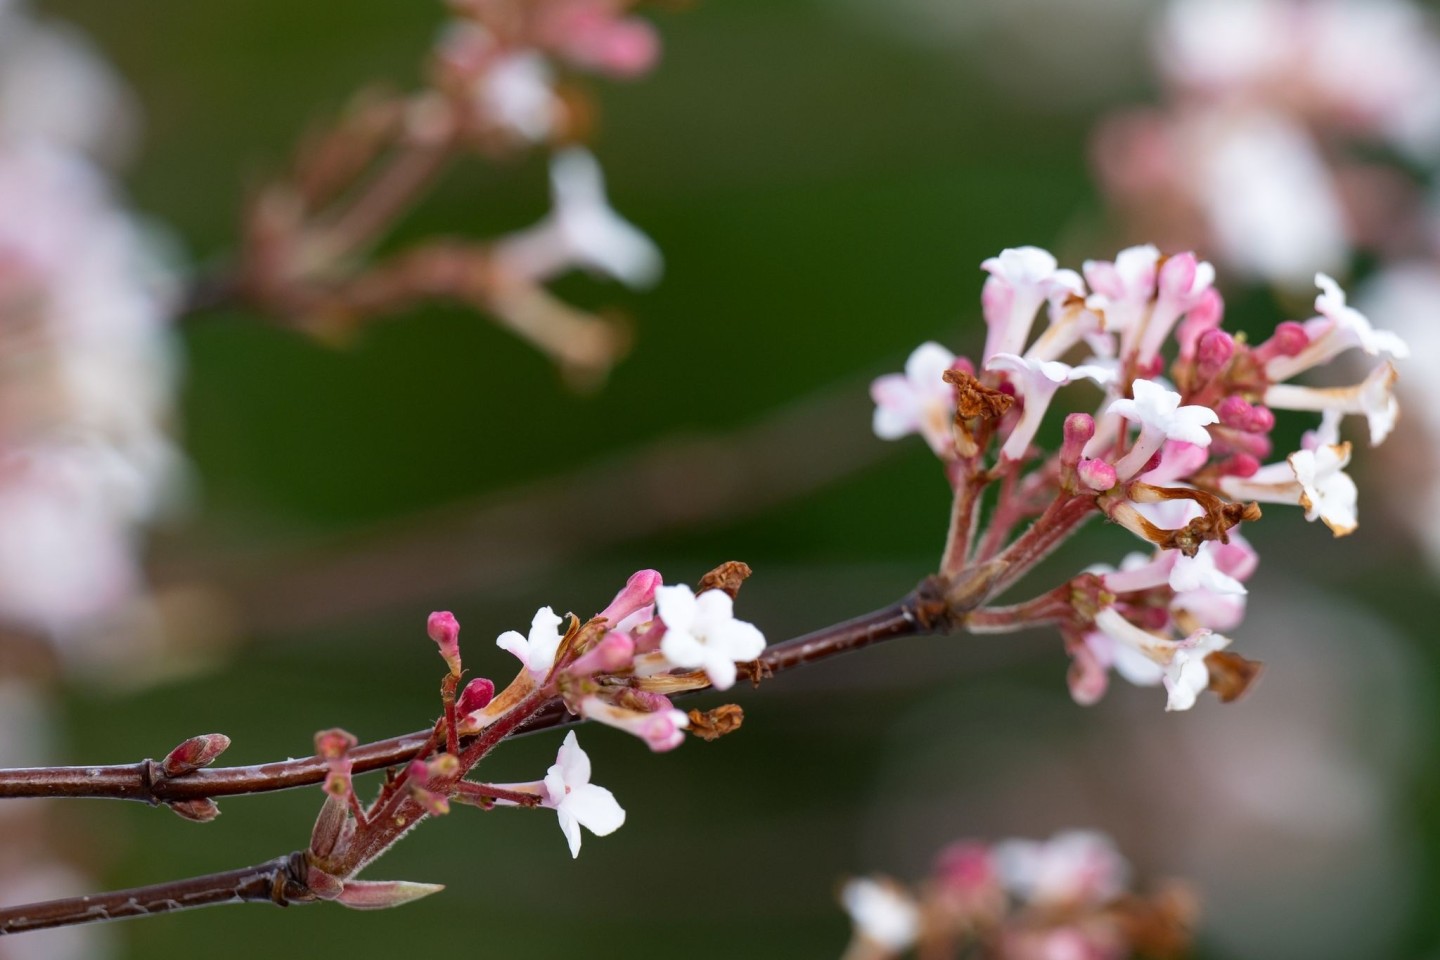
[
  {"x": 1205, "y": 315},
  {"x": 194, "y": 753},
  {"x": 1288, "y": 340},
  {"x": 614, "y": 652},
  {"x": 1096, "y": 474},
  {"x": 476, "y": 696},
  {"x": 965, "y": 867},
  {"x": 1213, "y": 352},
  {"x": 1234, "y": 411},
  {"x": 1240, "y": 465},
  {"x": 444, "y": 629},
  {"x": 639, "y": 592},
  {"x": 1079, "y": 429}
]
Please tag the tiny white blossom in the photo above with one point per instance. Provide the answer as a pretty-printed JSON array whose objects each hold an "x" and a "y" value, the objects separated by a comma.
[
  {"x": 702, "y": 632},
  {"x": 1186, "y": 676},
  {"x": 1074, "y": 868},
  {"x": 519, "y": 91},
  {"x": 1036, "y": 382},
  {"x": 917, "y": 401},
  {"x": 1161, "y": 418},
  {"x": 882, "y": 913},
  {"x": 581, "y": 231},
  {"x": 537, "y": 651},
  {"x": 1327, "y": 492},
  {"x": 1374, "y": 397},
  {"x": 1021, "y": 280},
  {"x": 1200, "y": 572},
  {"x": 575, "y": 800},
  {"x": 1155, "y": 407}
]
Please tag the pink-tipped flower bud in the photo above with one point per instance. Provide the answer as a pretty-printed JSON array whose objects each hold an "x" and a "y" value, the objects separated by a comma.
[
  {"x": 1235, "y": 411},
  {"x": 1096, "y": 474},
  {"x": 1079, "y": 430},
  {"x": 476, "y": 696},
  {"x": 1241, "y": 465},
  {"x": 1213, "y": 352},
  {"x": 966, "y": 867},
  {"x": 614, "y": 652},
  {"x": 1262, "y": 420},
  {"x": 194, "y": 753},
  {"x": 1205, "y": 315},
  {"x": 639, "y": 592},
  {"x": 444, "y": 629},
  {"x": 1288, "y": 340}
]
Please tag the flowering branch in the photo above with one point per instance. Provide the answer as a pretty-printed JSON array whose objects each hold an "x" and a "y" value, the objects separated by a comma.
[{"x": 921, "y": 612}]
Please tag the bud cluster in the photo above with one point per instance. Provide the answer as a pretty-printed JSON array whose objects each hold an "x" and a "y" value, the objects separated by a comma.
[
  {"x": 1179, "y": 451},
  {"x": 1066, "y": 897}
]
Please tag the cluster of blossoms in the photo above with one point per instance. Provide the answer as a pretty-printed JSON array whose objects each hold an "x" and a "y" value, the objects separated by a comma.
[
  {"x": 498, "y": 87},
  {"x": 1253, "y": 153},
  {"x": 1066, "y": 898},
  {"x": 85, "y": 392},
  {"x": 618, "y": 668},
  {"x": 1178, "y": 451}
]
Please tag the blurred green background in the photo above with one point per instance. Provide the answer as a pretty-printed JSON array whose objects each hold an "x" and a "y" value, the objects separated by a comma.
[{"x": 824, "y": 179}]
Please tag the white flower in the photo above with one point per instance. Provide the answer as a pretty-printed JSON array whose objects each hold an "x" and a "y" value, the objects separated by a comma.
[
  {"x": 882, "y": 913},
  {"x": 1186, "y": 676},
  {"x": 1155, "y": 407},
  {"x": 1327, "y": 492},
  {"x": 1123, "y": 289},
  {"x": 917, "y": 401},
  {"x": 1037, "y": 381},
  {"x": 537, "y": 651},
  {"x": 1339, "y": 328},
  {"x": 581, "y": 231},
  {"x": 518, "y": 91},
  {"x": 1072, "y": 868},
  {"x": 702, "y": 632},
  {"x": 1200, "y": 572},
  {"x": 1021, "y": 280},
  {"x": 1161, "y": 418},
  {"x": 577, "y": 801}
]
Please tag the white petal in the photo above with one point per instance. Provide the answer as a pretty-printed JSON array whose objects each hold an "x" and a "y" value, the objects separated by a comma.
[
  {"x": 596, "y": 808},
  {"x": 571, "y": 828},
  {"x": 676, "y": 606},
  {"x": 573, "y": 762},
  {"x": 684, "y": 649}
]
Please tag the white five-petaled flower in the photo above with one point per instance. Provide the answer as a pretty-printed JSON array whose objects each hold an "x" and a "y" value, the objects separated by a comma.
[
  {"x": 581, "y": 231},
  {"x": 1339, "y": 327},
  {"x": 702, "y": 632},
  {"x": 1037, "y": 381},
  {"x": 1123, "y": 289},
  {"x": 882, "y": 913},
  {"x": 577, "y": 801},
  {"x": 917, "y": 401},
  {"x": 1022, "y": 279},
  {"x": 537, "y": 651},
  {"x": 1161, "y": 418},
  {"x": 1072, "y": 868},
  {"x": 1327, "y": 492}
]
